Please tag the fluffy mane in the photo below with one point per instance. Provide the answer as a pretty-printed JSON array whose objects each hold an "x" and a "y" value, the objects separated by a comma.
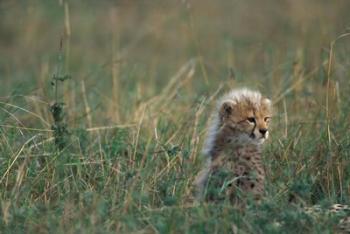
[{"x": 235, "y": 96}]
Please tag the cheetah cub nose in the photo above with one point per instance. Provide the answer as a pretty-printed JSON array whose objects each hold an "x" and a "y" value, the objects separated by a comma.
[{"x": 263, "y": 131}]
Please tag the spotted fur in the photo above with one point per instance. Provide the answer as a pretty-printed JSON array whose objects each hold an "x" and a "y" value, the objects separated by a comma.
[{"x": 238, "y": 127}]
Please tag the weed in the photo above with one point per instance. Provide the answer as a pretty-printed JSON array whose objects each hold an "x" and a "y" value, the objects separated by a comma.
[{"x": 59, "y": 127}]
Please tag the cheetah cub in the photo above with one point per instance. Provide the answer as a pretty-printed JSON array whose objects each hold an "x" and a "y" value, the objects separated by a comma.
[{"x": 237, "y": 131}]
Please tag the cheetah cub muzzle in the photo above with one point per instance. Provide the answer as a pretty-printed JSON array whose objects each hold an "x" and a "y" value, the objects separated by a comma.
[{"x": 237, "y": 131}]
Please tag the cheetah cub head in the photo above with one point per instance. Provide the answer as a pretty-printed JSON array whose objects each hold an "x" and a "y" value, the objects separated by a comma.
[{"x": 247, "y": 113}]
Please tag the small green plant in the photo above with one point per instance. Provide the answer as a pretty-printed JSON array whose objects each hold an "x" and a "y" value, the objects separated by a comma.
[{"x": 59, "y": 126}]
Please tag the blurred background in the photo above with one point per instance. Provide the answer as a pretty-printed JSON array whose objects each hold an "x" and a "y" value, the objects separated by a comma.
[{"x": 127, "y": 51}]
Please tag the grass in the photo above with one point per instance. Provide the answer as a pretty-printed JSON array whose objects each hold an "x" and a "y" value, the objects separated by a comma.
[{"x": 144, "y": 79}]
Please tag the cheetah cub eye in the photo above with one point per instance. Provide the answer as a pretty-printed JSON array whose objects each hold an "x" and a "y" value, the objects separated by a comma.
[{"x": 251, "y": 119}]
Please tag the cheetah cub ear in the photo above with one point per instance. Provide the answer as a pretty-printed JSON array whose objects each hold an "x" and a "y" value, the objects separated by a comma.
[
  {"x": 267, "y": 105},
  {"x": 226, "y": 109},
  {"x": 266, "y": 101}
]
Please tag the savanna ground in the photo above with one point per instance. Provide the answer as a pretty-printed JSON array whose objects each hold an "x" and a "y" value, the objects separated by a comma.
[{"x": 143, "y": 79}]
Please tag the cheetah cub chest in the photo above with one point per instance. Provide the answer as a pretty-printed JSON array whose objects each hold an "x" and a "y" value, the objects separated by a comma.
[{"x": 237, "y": 131}]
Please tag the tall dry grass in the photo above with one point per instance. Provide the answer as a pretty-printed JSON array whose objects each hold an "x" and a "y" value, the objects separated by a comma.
[{"x": 144, "y": 79}]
